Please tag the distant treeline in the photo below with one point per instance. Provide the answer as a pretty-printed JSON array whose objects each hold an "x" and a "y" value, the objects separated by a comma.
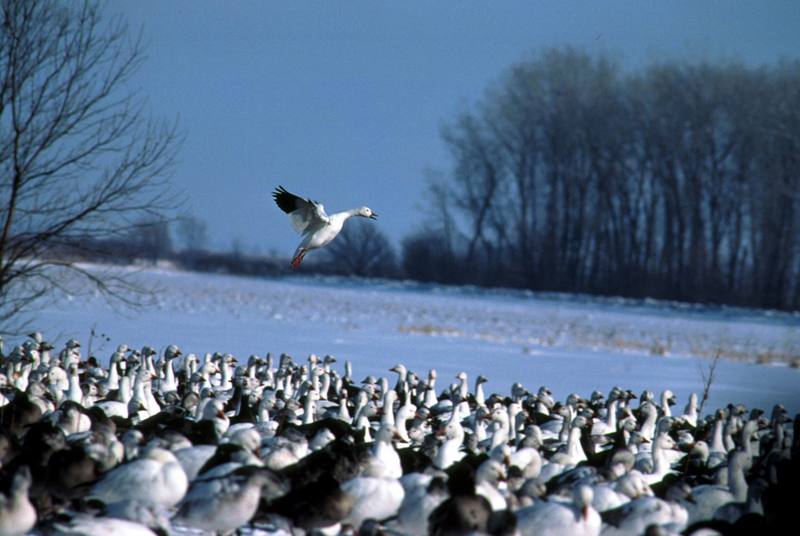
[
  {"x": 152, "y": 242},
  {"x": 679, "y": 181}
]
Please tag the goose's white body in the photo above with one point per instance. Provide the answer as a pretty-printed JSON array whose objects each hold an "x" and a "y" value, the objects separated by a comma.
[
  {"x": 100, "y": 526},
  {"x": 17, "y": 514},
  {"x": 376, "y": 498},
  {"x": 635, "y": 516},
  {"x": 222, "y": 504},
  {"x": 553, "y": 518},
  {"x": 157, "y": 475}
]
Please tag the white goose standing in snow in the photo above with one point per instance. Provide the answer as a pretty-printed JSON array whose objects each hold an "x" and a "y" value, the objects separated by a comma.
[
  {"x": 309, "y": 218},
  {"x": 156, "y": 475},
  {"x": 377, "y": 493},
  {"x": 225, "y": 503},
  {"x": 17, "y": 514},
  {"x": 384, "y": 461},
  {"x": 487, "y": 476},
  {"x": 557, "y": 518}
]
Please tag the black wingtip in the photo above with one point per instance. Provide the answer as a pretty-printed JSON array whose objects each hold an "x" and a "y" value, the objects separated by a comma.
[
  {"x": 285, "y": 200},
  {"x": 278, "y": 191}
]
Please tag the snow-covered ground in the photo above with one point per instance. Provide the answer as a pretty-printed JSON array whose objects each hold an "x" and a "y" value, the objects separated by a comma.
[{"x": 571, "y": 344}]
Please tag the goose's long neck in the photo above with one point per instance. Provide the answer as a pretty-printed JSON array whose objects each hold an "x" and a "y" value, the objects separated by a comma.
[
  {"x": 563, "y": 435},
  {"x": 463, "y": 389},
  {"x": 660, "y": 463},
  {"x": 667, "y": 412},
  {"x": 308, "y": 410},
  {"x": 170, "y": 373},
  {"x": 691, "y": 407},
  {"x": 779, "y": 436},
  {"x": 500, "y": 434},
  {"x": 429, "y": 397},
  {"x": 513, "y": 411},
  {"x": 315, "y": 381},
  {"x": 75, "y": 394},
  {"x": 348, "y": 371},
  {"x": 151, "y": 368},
  {"x": 388, "y": 408},
  {"x": 263, "y": 410},
  {"x": 480, "y": 398},
  {"x": 611, "y": 418},
  {"x": 737, "y": 482},
  {"x": 361, "y": 403},
  {"x": 574, "y": 448},
  {"x": 227, "y": 373},
  {"x": 138, "y": 385},
  {"x": 113, "y": 375},
  {"x": 649, "y": 425},
  {"x": 338, "y": 218},
  {"x": 125, "y": 389},
  {"x": 727, "y": 437},
  {"x": 403, "y": 414},
  {"x": 716, "y": 441},
  {"x": 748, "y": 430},
  {"x": 325, "y": 386}
]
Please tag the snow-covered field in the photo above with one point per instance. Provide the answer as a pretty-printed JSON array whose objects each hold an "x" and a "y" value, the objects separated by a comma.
[{"x": 571, "y": 344}]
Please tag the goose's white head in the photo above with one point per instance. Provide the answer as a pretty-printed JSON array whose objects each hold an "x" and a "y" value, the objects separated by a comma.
[
  {"x": 490, "y": 471},
  {"x": 367, "y": 212}
]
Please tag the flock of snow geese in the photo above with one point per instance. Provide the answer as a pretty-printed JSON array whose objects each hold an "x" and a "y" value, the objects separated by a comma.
[{"x": 158, "y": 442}]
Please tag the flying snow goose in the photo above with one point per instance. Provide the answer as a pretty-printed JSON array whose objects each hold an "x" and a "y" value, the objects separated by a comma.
[{"x": 310, "y": 220}]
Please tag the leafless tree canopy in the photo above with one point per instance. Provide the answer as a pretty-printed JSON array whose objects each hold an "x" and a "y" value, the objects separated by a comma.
[
  {"x": 79, "y": 159},
  {"x": 361, "y": 249},
  {"x": 679, "y": 181},
  {"x": 193, "y": 232}
]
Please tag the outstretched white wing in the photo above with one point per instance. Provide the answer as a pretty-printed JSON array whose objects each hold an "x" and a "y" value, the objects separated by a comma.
[{"x": 304, "y": 214}]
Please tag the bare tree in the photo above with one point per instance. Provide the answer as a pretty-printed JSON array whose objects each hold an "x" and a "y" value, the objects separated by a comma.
[
  {"x": 193, "y": 232},
  {"x": 151, "y": 240},
  {"x": 679, "y": 181},
  {"x": 80, "y": 161},
  {"x": 361, "y": 249},
  {"x": 427, "y": 256}
]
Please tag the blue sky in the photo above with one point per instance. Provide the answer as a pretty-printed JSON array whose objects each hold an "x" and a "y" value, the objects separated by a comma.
[{"x": 343, "y": 101}]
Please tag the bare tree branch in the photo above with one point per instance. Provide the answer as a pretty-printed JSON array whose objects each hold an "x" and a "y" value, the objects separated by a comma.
[
  {"x": 80, "y": 161},
  {"x": 707, "y": 377}
]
